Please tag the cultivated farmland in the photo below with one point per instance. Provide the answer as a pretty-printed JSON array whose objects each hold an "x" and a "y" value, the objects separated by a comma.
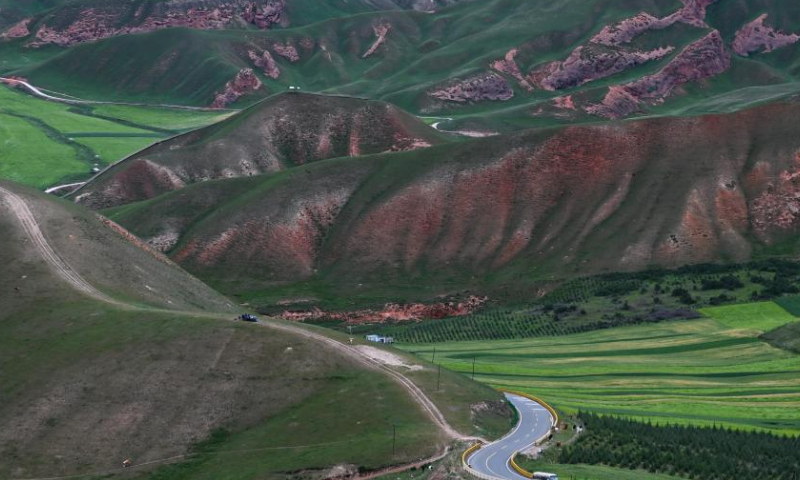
[
  {"x": 702, "y": 372},
  {"x": 46, "y": 143}
]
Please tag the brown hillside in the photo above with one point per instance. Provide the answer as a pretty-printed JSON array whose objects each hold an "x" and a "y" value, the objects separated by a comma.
[
  {"x": 534, "y": 205},
  {"x": 283, "y": 131},
  {"x": 90, "y": 380}
]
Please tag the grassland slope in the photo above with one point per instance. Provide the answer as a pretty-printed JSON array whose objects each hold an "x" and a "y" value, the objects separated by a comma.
[
  {"x": 491, "y": 65},
  {"x": 283, "y": 131},
  {"x": 89, "y": 382},
  {"x": 533, "y": 206}
]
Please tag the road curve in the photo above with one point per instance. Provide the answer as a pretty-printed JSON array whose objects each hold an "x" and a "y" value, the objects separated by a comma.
[
  {"x": 37, "y": 92},
  {"x": 494, "y": 460}
]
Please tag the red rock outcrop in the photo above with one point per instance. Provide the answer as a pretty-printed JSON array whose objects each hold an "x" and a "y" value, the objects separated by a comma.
[
  {"x": 488, "y": 86},
  {"x": 245, "y": 82},
  {"x": 18, "y": 30},
  {"x": 267, "y": 14},
  {"x": 756, "y": 36},
  {"x": 628, "y": 29},
  {"x": 508, "y": 65},
  {"x": 585, "y": 65},
  {"x": 266, "y": 63},
  {"x": 565, "y": 102},
  {"x": 702, "y": 59},
  {"x": 286, "y": 51},
  {"x": 380, "y": 33},
  {"x": 692, "y": 13},
  {"x": 393, "y": 312},
  {"x": 101, "y": 22},
  {"x": 777, "y": 209}
]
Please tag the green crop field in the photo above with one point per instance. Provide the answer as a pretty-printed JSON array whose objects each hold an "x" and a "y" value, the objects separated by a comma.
[
  {"x": 46, "y": 143},
  {"x": 760, "y": 317},
  {"x": 702, "y": 372}
]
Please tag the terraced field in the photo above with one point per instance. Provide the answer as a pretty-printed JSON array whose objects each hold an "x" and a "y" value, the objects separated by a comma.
[
  {"x": 702, "y": 372},
  {"x": 47, "y": 143}
]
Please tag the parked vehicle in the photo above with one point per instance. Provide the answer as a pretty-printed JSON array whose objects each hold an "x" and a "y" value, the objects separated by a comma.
[
  {"x": 246, "y": 317},
  {"x": 544, "y": 476}
]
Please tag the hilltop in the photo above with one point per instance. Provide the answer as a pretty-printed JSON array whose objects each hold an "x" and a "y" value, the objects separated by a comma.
[
  {"x": 490, "y": 65},
  {"x": 533, "y": 207},
  {"x": 110, "y": 352},
  {"x": 283, "y": 131}
]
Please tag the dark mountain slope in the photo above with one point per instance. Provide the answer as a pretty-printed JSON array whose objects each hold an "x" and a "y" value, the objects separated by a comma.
[
  {"x": 529, "y": 207},
  {"x": 284, "y": 131}
]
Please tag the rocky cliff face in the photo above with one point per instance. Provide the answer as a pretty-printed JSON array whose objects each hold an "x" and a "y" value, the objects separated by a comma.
[
  {"x": 702, "y": 59},
  {"x": 287, "y": 50},
  {"x": 607, "y": 54},
  {"x": 508, "y": 65},
  {"x": 488, "y": 86},
  {"x": 266, "y": 63},
  {"x": 586, "y": 64},
  {"x": 245, "y": 82},
  {"x": 18, "y": 30},
  {"x": 78, "y": 24},
  {"x": 757, "y": 36},
  {"x": 380, "y": 37}
]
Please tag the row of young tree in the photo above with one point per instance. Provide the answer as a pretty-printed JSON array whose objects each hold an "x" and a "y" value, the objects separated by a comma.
[{"x": 692, "y": 452}]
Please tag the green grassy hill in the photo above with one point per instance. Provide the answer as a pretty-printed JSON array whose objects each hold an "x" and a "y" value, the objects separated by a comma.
[
  {"x": 159, "y": 376},
  {"x": 47, "y": 144},
  {"x": 513, "y": 210},
  {"x": 281, "y": 132},
  {"x": 423, "y": 53}
]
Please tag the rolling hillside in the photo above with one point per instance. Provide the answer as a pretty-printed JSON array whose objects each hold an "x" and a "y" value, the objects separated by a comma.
[
  {"x": 281, "y": 132},
  {"x": 529, "y": 207},
  {"x": 491, "y": 65},
  {"x": 118, "y": 354}
]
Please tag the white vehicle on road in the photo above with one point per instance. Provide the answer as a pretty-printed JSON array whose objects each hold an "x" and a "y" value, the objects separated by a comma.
[
  {"x": 493, "y": 461},
  {"x": 544, "y": 476}
]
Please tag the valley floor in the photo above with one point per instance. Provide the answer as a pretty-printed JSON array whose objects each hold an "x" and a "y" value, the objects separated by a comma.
[{"x": 703, "y": 372}]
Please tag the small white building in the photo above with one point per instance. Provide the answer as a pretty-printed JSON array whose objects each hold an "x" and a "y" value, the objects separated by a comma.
[{"x": 379, "y": 339}]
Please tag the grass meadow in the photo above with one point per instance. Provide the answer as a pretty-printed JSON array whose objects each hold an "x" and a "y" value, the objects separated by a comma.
[
  {"x": 46, "y": 143},
  {"x": 708, "y": 371}
]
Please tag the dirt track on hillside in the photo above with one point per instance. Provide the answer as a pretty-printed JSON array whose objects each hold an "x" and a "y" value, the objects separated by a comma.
[
  {"x": 28, "y": 222},
  {"x": 26, "y": 218},
  {"x": 417, "y": 394}
]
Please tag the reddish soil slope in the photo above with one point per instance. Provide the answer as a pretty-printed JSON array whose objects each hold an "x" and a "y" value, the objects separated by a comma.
[
  {"x": 283, "y": 131},
  {"x": 580, "y": 199}
]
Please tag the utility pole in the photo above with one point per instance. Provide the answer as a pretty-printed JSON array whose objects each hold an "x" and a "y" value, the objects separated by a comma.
[
  {"x": 439, "y": 377},
  {"x": 433, "y": 359},
  {"x": 473, "y": 368},
  {"x": 394, "y": 438}
]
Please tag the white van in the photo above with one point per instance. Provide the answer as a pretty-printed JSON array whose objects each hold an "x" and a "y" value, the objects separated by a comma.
[{"x": 544, "y": 476}]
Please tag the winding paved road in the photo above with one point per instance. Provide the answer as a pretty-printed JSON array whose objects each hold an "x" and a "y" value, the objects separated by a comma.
[{"x": 493, "y": 460}]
